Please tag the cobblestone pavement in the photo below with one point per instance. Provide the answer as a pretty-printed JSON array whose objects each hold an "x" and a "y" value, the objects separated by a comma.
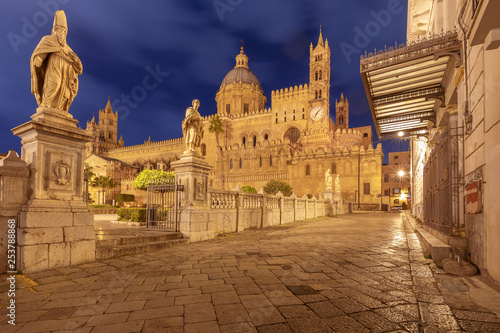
[{"x": 355, "y": 273}]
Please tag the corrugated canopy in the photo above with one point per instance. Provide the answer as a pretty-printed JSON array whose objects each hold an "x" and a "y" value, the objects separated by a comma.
[{"x": 402, "y": 83}]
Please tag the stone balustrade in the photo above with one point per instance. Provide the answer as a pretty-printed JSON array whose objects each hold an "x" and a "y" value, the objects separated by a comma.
[{"x": 235, "y": 211}]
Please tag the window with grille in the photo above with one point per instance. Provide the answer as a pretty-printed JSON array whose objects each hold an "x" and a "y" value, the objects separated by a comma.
[
  {"x": 366, "y": 188},
  {"x": 293, "y": 134}
]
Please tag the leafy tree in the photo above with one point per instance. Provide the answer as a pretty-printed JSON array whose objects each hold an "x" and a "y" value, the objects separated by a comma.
[
  {"x": 249, "y": 189},
  {"x": 216, "y": 126},
  {"x": 148, "y": 177},
  {"x": 103, "y": 183},
  {"x": 274, "y": 186}
]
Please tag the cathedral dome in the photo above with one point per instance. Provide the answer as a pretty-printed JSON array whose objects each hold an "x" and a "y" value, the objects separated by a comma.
[{"x": 241, "y": 72}]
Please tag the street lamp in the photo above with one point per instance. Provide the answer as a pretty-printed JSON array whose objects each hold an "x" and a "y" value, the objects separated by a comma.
[
  {"x": 401, "y": 173},
  {"x": 401, "y": 134}
]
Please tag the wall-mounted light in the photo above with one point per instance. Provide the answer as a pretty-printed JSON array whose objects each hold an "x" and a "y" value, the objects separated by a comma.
[{"x": 468, "y": 123}]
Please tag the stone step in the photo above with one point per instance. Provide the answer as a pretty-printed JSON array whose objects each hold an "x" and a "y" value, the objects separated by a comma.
[
  {"x": 130, "y": 245},
  {"x": 139, "y": 239}
]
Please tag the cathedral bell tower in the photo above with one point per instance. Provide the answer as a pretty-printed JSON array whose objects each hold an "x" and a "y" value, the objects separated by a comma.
[
  {"x": 319, "y": 83},
  {"x": 342, "y": 112}
]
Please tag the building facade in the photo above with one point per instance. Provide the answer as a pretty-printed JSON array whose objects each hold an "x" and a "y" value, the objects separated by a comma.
[
  {"x": 444, "y": 94},
  {"x": 295, "y": 139}
]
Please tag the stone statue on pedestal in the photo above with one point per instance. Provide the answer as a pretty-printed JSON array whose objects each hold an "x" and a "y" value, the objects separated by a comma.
[
  {"x": 328, "y": 179},
  {"x": 337, "y": 184},
  {"x": 192, "y": 127},
  {"x": 55, "y": 68}
]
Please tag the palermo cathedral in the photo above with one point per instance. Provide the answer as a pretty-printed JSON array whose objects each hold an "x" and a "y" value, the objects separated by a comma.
[{"x": 295, "y": 139}]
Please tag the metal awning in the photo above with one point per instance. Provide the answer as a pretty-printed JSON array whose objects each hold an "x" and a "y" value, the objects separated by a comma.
[{"x": 402, "y": 83}]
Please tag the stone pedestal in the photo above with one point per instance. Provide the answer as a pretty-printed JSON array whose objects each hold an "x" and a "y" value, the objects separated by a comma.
[
  {"x": 192, "y": 172},
  {"x": 328, "y": 194},
  {"x": 55, "y": 226},
  {"x": 337, "y": 204},
  {"x": 14, "y": 179}
]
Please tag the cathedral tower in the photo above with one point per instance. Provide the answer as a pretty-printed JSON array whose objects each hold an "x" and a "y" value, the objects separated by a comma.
[
  {"x": 342, "y": 112},
  {"x": 108, "y": 127},
  {"x": 319, "y": 81}
]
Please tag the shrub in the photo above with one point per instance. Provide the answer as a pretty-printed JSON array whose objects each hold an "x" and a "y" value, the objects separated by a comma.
[
  {"x": 274, "y": 186},
  {"x": 249, "y": 189},
  {"x": 132, "y": 214},
  {"x": 124, "y": 198}
]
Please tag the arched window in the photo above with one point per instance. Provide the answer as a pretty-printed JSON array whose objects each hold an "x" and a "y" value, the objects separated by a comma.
[
  {"x": 308, "y": 170},
  {"x": 320, "y": 74},
  {"x": 231, "y": 164},
  {"x": 241, "y": 163},
  {"x": 341, "y": 120},
  {"x": 320, "y": 94},
  {"x": 334, "y": 168},
  {"x": 276, "y": 120},
  {"x": 243, "y": 141},
  {"x": 260, "y": 163},
  {"x": 284, "y": 119},
  {"x": 303, "y": 116},
  {"x": 316, "y": 94},
  {"x": 270, "y": 161},
  {"x": 266, "y": 136},
  {"x": 203, "y": 149},
  {"x": 365, "y": 135},
  {"x": 293, "y": 134},
  {"x": 254, "y": 141},
  {"x": 316, "y": 76},
  {"x": 293, "y": 118}
]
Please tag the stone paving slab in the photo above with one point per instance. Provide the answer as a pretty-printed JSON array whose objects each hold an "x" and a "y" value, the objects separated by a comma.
[{"x": 355, "y": 273}]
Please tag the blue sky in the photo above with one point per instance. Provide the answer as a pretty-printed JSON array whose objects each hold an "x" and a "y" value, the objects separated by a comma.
[{"x": 190, "y": 45}]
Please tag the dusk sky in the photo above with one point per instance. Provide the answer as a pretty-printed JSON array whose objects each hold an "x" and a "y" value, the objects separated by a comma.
[{"x": 190, "y": 46}]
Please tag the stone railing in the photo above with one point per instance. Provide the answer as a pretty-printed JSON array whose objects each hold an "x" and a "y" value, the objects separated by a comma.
[{"x": 234, "y": 211}]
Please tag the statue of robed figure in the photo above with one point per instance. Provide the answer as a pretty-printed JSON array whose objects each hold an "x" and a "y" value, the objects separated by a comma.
[
  {"x": 55, "y": 68},
  {"x": 192, "y": 127}
]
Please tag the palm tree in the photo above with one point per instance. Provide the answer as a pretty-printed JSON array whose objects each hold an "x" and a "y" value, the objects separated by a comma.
[
  {"x": 88, "y": 174},
  {"x": 216, "y": 126},
  {"x": 104, "y": 183}
]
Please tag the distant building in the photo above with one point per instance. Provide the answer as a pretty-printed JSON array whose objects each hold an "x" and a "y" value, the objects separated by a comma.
[
  {"x": 396, "y": 185},
  {"x": 295, "y": 140}
]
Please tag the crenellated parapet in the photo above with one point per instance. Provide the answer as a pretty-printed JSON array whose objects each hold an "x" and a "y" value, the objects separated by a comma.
[
  {"x": 240, "y": 116},
  {"x": 172, "y": 143},
  {"x": 290, "y": 92},
  {"x": 347, "y": 137}
]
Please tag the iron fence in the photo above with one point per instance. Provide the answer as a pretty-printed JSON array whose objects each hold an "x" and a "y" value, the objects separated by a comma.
[
  {"x": 162, "y": 206},
  {"x": 356, "y": 206},
  {"x": 442, "y": 180}
]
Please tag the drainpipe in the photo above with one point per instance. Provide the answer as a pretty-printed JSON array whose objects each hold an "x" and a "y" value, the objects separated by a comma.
[{"x": 466, "y": 112}]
